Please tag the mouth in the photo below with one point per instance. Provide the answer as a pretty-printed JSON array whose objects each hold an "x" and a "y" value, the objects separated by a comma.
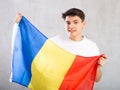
[{"x": 71, "y": 31}]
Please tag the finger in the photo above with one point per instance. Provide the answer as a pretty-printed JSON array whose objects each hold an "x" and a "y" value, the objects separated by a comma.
[
  {"x": 101, "y": 62},
  {"x": 19, "y": 14},
  {"x": 102, "y": 58},
  {"x": 18, "y": 18},
  {"x": 105, "y": 56}
]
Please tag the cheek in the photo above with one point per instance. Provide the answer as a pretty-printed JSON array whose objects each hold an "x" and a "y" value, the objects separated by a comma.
[
  {"x": 80, "y": 27},
  {"x": 66, "y": 27}
]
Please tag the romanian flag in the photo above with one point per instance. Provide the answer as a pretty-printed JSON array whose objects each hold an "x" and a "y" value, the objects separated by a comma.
[{"x": 39, "y": 64}]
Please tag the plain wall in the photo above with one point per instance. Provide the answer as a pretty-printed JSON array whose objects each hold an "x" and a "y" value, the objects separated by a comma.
[{"x": 103, "y": 27}]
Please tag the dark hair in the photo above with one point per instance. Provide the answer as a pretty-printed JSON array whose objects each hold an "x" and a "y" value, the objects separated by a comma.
[{"x": 74, "y": 12}]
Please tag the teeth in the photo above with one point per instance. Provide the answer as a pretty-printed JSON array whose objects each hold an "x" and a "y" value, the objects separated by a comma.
[{"x": 72, "y": 30}]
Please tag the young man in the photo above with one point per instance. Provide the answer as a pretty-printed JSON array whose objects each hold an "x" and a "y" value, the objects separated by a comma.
[{"x": 75, "y": 42}]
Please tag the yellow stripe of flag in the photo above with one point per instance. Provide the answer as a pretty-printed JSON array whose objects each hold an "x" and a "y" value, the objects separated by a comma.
[{"x": 47, "y": 73}]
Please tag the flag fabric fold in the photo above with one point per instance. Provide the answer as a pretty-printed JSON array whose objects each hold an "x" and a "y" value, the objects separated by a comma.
[{"x": 39, "y": 64}]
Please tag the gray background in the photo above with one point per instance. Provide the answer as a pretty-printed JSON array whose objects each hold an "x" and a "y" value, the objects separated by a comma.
[{"x": 103, "y": 25}]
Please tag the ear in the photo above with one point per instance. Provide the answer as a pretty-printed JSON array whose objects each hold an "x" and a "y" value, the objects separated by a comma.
[{"x": 84, "y": 23}]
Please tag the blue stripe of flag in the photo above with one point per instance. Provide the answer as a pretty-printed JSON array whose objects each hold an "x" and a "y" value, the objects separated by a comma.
[{"x": 27, "y": 44}]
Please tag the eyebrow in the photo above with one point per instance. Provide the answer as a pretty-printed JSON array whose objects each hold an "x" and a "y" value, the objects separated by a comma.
[{"x": 73, "y": 20}]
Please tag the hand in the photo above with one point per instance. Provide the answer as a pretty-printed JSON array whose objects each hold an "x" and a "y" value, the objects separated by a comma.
[
  {"x": 102, "y": 60},
  {"x": 18, "y": 18}
]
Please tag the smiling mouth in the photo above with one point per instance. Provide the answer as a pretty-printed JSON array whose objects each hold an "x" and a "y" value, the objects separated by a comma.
[{"x": 71, "y": 30}]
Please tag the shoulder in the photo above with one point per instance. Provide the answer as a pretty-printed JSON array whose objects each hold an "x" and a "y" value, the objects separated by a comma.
[
  {"x": 59, "y": 39},
  {"x": 55, "y": 37},
  {"x": 91, "y": 45},
  {"x": 89, "y": 42}
]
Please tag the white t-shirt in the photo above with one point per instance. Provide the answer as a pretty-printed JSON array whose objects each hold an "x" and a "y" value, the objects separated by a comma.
[{"x": 85, "y": 47}]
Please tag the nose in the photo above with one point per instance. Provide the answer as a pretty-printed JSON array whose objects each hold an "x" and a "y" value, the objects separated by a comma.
[{"x": 71, "y": 25}]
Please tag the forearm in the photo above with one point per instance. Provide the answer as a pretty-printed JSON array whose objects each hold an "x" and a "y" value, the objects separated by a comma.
[
  {"x": 101, "y": 62},
  {"x": 98, "y": 74}
]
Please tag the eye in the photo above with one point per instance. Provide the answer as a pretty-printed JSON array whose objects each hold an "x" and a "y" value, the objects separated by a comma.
[
  {"x": 68, "y": 23},
  {"x": 76, "y": 22}
]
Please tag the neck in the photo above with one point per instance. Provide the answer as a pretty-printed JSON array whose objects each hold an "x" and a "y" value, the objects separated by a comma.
[{"x": 79, "y": 38}]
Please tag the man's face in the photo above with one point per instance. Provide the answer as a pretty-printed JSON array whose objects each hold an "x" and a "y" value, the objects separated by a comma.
[{"x": 74, "y": 25}]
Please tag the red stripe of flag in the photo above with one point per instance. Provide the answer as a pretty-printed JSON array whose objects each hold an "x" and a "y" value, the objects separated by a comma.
[{"x": 81, "y": 75}]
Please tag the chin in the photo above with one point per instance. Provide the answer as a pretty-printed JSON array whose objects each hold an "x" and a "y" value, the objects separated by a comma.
[{"x": 72, "y": 34}]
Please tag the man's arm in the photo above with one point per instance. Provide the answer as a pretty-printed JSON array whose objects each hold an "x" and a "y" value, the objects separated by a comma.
[
  {"x": 101, "y": 62},
  {"x": 98, "y": 74}
]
